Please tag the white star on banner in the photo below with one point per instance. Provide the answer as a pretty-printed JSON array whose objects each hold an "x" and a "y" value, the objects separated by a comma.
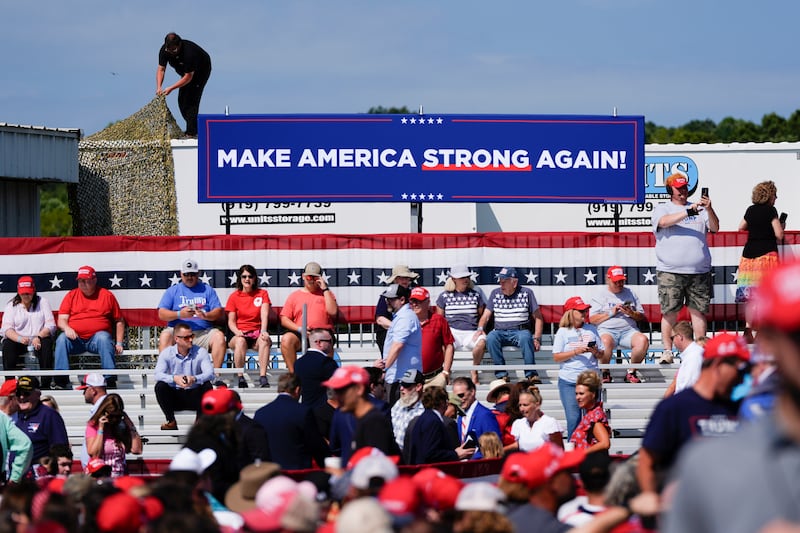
[
  {"x": 404, "y": 196},
  {"x": 422, "y": 196},
  {"x": 590, "y": 277},
  {"x": 145, "y": 280},
  {"x": 326, "y": 277},
  {"x": 561, "y": 277},
  {"x": 232, "y": 279},
  {"x": 735, "y": 276},
  {"x": 353, "y": 277},
  {"x": 530, "y": 277},
  {"x": 439, "y": 120},
  {"x": 430, "y": 196},
  {"x": 649, "y": 277},
  {"x": 413, "y": 196},
  {"x": 442, "y": 277},
  {"x": 473, "y": 276},
  {"x": 205, "y": 278},
  {"x": 55, "y": 282},
  {"x": 294, "y": 279},
  {"x": 175, "y": 279},
  {"x": 439, "y": 196},
  {"x": 115, "y": 281},
  {"x": 264, "y": 278},
  {"x": 413, "y": 120},
  {"x": 403, "y": 120},
  {"x": 383, "y": 278}
]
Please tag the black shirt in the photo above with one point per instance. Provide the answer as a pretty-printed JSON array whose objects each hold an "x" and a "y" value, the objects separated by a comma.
[
  {"x": 190, "y": 58},
  {"x": 760, "y": 234}
]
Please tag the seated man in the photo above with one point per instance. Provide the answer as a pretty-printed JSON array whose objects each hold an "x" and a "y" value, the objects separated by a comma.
[
  {"x": 515, "y": 311},
  {"x": 195, "y": 303},
  {"x": 616, "y": 311},
  {"x": 86, "y": 317},
  {"x": 183, "y": 373},
  {"x": 321, "y": 308},
  {"x": 43, "y": 425}
]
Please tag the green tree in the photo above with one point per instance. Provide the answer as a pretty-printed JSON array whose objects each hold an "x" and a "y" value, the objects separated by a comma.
[
  {"x": 54, "y": 216},
  {"x": 380, "y": 110}
]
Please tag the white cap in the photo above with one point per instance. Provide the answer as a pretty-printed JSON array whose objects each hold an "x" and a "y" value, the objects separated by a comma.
[
  {"x": 480, "y": 496},
  {"x": 192, "y": 461},
  {"x": 189, "y": 266},
  {"x": 370, "y": 467}
]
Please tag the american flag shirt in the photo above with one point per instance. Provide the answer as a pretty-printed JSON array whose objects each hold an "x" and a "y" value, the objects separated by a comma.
[{"x": 513, "y": 311}]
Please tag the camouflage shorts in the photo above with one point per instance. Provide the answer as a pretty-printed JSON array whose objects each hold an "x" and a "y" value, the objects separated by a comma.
[{"x": 675, "y": 290}]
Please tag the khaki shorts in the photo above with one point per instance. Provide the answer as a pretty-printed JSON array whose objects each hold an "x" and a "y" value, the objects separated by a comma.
[
  {"x": 675, "y": 290},
  {"x": 202, "y": 337}
]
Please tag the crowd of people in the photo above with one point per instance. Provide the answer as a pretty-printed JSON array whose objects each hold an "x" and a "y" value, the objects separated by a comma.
[{"x": 353, "y": 430}]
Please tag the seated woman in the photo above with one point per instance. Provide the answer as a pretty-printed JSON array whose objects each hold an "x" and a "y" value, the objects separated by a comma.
[
  {"x": 248, "y": 314},
  {"x": 111, "y": 435},
  {"x": 593, "y": 432},
  {"x": 534, "y": 428}
]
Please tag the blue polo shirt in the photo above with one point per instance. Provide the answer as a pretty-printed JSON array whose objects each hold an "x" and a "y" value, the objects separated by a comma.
[{"x": 44, "y": 426}]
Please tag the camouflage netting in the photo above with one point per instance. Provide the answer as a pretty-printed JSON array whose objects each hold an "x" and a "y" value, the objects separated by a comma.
[{"x": 127, "y": 182}]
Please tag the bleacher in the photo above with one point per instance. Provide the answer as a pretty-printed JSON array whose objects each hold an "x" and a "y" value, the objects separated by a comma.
[{"x": 628, "y": 405}]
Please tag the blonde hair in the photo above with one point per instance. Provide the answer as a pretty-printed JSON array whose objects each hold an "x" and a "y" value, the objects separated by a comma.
[
  {"x": 450, "y": 284},
  {"x": 590, "y": 380},
  {"x": 490, "y": 444},
  {"x": 534, "y": 393},
  {"x": 763, "y": 192},
  {"x": 566, "y": 320}
]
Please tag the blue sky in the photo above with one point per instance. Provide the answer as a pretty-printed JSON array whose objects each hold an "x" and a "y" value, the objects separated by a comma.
[{"x": 85, "y": 64}]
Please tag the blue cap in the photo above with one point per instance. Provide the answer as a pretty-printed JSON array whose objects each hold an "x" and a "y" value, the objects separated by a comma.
[{"x": 507, "y": 272}]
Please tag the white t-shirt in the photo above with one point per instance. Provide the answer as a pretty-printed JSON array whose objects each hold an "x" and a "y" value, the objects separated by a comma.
[
  {"x": 567, "y": 339},
  {"x": 691, "y": 363},
  {"x": 682, "y": 248},
  {"x": 531, "y": 437},
  {"x": 605, "y": 301}
]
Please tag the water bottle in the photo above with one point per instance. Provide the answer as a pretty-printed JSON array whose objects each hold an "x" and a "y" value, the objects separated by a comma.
[{"x": 31, "y": 361}]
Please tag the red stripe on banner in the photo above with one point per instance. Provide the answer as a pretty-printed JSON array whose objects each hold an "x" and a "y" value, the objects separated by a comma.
[{"x": 406, "y": 241}]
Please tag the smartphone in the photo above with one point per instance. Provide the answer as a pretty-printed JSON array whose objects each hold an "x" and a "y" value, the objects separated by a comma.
[
  {"x": 592, "y": 344},
  {"x": 783, "y": 218},
  {"x": 704, "y": 191},
  {"x": 627, "y": 304}
]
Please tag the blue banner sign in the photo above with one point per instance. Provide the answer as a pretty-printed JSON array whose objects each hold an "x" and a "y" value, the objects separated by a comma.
[{"x": 415, "y": 158}]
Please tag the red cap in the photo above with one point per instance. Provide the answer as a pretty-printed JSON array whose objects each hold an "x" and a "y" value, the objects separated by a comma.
[
  {"x": 442, "y": 492},
  {"x": 677, "y": 181},
  {"x": 120, "y": 513},
  {"x": 220, "y": 401},
  {"x": 419, "y": 293},
  {"x": 615, "y": 273},
  {"x": 9, "y": 388},
  {"x": 535, "y": 468},
  {"x": 347, "y": 375},
  {"x": 726, "y": 345},
  {"x": 576, "y": 302},
  {"x": 776, "y": 302},
  {"x": 95, "y": 465},
  {"x": 126, "y": 483},
  {"x": 86, "y": 272},
  {"x": 25, "y": 285},
  {"x": 399, "y": 496},
  {"x": 368, "y": 451},
  {"x": 56, "y": 485}
]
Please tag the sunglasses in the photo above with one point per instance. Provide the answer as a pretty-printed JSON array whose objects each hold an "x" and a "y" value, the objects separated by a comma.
[
  {"x": 246, "y": 276},
  {"x": 461, "y": 394},
  {"x": 189, "y": 274},
  {"x": 190, "y": 336}
]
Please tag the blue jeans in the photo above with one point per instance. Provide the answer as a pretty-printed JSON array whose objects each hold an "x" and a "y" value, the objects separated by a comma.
[
  {"x": 100, "y": 343},
  {"x": 521, "y": 338},
  {"x": 566, "y": 391}
]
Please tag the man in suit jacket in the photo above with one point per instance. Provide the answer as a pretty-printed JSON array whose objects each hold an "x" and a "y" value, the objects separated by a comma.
[
  {"x": 315, "y": 366},
  {"x": 478, "y": 419},
  {"x": 427, "y": 440},
  {"x": 292, "y": 433}
]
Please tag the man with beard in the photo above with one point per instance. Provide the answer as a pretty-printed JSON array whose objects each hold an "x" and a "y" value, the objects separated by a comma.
[
  {"x": 403, "y": 347},
  {"x": 408, "y": 406},
  {"x": 764, "y": 456}
]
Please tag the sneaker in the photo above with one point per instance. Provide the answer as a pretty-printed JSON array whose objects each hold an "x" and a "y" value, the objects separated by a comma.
[
  {"x": 607, "y": 376},
  {"x": 242, "y": 383},
  {"x": 172, "y": 425},
  {"x": 111, "y": 383},
  {"x": 667, "y": 357},
  {"x": 632, "y": 377},
  {"x": 62, "y": 386},
  {"x": 535, "y": 379},
  {"x": 263, "y": 382},
  {"x": 220, "y": 383}
]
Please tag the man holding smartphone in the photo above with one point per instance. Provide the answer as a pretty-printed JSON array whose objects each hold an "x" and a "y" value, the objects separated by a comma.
[
  {"x": 683, "y": 258},
  {"x": 616, "y": 310},
  {"x": 321, "y": 307}
]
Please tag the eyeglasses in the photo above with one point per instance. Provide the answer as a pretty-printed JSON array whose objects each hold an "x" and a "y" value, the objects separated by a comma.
[
  {"x": 415, "y": 303},
  {"x": 324, "y": 340},
  {"x": 189, "y": 274},
  {"x": 461, "y": 394},
  {"x": 246, "y": 276},
  {"x": 173, "y": 50},
  {"x": 190, "y": 336},
  {"x": 672, "y": 338}
]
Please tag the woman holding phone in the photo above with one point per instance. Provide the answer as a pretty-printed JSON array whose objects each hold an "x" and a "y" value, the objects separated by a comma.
[
  {"x": 760, "y": 255},
  {"x": 577, "y": 347},
  {"x": 111, "y": 435}
]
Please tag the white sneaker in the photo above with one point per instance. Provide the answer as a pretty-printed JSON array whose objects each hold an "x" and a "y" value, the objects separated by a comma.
[{"x": 667, "y": 357}]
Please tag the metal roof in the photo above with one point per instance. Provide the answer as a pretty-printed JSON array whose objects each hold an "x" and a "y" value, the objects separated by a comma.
[{"x": 39, "y": 153}]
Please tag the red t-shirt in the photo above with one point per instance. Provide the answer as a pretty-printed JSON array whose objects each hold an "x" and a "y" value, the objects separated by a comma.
[
  {"x": 435, "y": 336},
  {"x": 317, "y": 315},
  {"x": 88, "y": 315},
  {"x": 247, "y": 306}
]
